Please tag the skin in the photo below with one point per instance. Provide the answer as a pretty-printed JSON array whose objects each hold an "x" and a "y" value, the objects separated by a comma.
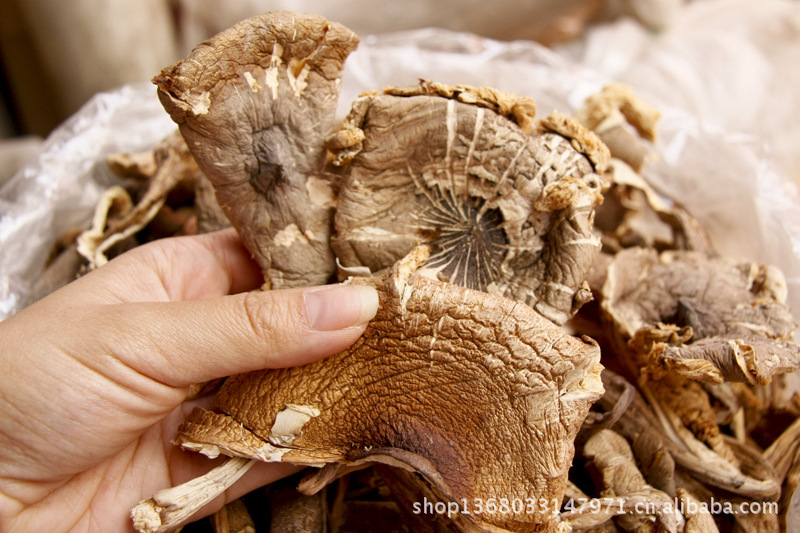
[{"x": 96, "y": 374}]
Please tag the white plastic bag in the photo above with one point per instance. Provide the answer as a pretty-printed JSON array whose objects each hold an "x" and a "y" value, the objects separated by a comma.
[{"x": 59, "y": 191}]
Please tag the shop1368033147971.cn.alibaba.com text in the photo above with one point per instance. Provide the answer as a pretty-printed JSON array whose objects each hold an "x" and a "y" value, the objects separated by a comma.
[{"x": 477, "y": 506}]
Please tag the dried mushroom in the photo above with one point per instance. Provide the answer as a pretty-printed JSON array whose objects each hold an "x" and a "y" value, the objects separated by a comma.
[
  {"x": 682, "y": 320},
  {"x": 612, "y": 113},
  {"x": 210, "y": 216},
  {"x": 505, "y": 211},
  {"x": 709, "y": 319},
  {"x": 698, "y": 471},
  {"x": 481, "y": 229},
  {"x": 634, "y": 214},
  {"x": 612, "y": 459},
  {"x": 117, "y": 218},
  {"x": 697, "y": 521},
  {"x": 790, "y": 508},
  {"x": 478, "y": 393},
  {"x": 254, "y": 104},
  {"x": 65, "y": 267},
  {"x": 296, "y": 513},
  {"x": 233, "y": 518}
]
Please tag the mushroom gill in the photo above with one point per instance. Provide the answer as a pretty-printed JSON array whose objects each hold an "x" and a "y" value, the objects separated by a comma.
[
  {"x": 468, "y": 243},
  {"x": 505, "y": 211}
]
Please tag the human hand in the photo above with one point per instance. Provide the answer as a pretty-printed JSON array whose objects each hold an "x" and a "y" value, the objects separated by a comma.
[{"x": 94, "y": 376}]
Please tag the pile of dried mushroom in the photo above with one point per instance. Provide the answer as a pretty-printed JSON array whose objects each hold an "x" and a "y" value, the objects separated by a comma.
[{"x": 558, "y": 348}]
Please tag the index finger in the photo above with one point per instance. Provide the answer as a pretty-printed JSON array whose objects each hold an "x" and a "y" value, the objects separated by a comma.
[{"x": 178, "y": 268}]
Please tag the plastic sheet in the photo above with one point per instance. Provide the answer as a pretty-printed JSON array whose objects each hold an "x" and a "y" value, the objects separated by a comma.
[
  {"x": 730, "y": 63},
  {"x": 59, "y": 191},
  {"x": 723, "y": 179}
]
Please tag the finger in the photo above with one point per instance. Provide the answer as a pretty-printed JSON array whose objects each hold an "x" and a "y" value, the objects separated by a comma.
[
  {"x": 180, "y": 268},
  {"x": 222, "y": 265},
  {"x": 180, "y": 343}
]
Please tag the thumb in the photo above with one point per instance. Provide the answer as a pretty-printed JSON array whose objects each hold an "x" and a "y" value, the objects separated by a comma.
[{"x": 185, "y": 342}]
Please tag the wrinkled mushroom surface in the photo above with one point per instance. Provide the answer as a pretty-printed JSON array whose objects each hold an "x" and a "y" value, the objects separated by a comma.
[
  {"x": 476, "y": 392},
  {"x": 505, "y": 211},
  {"x": 254, "y": 104},
  {"x": 710, "y": 319}
]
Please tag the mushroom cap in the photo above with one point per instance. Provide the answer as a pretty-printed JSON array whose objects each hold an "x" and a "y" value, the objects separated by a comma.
[
  {"x": 505, "y": 211},
  {"x": 708, "y": 318},
  {"x": 254, "y": 104},
  {"x": 477, "y": 392}
]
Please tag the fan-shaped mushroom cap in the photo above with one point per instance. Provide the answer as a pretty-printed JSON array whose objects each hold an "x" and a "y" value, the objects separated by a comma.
[
  {"x": 477, "y": 392},
  {"x": 709, "y": 319},
  {"x": 254, "y": 104},
  {"x": 505, "y": 211}
]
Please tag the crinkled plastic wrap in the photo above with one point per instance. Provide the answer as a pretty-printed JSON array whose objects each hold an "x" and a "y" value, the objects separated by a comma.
[
  {"x": 60, "y": 190},
  {"x": 722, "y": 179}
]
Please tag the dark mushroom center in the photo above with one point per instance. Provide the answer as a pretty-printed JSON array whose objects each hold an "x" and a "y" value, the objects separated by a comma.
[
  {"x": 469, "y": 243},
  {"x": 274, "y": 159}
]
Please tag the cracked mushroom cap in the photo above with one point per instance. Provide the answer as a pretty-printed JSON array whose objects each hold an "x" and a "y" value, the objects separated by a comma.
[
  {"x": 505, "y": 211},
  {"x": 476, "y": 392},
  {"x": 710, "y": 319},
  {"x": 254, "y": 104}
]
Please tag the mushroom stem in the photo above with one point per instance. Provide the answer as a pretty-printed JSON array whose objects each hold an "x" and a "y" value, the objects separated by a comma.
[{"x": 169, "y": 508}]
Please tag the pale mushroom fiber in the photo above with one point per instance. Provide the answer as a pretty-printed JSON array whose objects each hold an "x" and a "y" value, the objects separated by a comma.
[{"x": 476, "y": 392}]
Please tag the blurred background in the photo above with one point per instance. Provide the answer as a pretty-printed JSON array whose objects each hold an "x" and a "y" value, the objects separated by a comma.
[
  {"x": 733, "y": 62},
  {"x": 57, "y": 54}
]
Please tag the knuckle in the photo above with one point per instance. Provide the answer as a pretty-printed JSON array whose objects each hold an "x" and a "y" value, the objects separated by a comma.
[{"x": 273, "y": 323}]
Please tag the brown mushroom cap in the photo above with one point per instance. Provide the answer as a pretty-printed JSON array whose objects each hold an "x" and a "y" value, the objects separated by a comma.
[
  {"x": 505, "y": 211},
  {"x": 477, "y": 392},
  {"x": 254, "y": 104},
  {"x": 709, "y": 319}
]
